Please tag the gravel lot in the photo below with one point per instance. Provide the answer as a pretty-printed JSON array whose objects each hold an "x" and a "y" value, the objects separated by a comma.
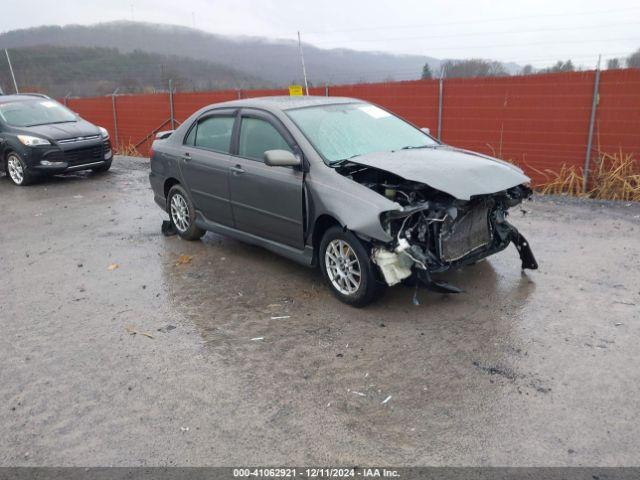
[{"x": 526, "y": 370}]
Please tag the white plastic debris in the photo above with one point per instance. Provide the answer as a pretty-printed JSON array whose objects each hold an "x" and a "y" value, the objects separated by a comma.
[
  {"x": 255, "y": 339},
  {"x": 394, "y": 267},
  {"x": 386, "y": 400},
  {"x": 360, "y": 393},
  {"x": 280, "y": 318}
]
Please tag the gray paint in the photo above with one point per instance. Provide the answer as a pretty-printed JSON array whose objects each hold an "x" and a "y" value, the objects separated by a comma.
[
  {"x": 459, "y": 173},
  {"x": 354, "y": 206}
]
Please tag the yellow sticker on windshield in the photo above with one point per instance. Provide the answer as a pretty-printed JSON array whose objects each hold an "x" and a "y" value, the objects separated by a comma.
[{"x": 375, "y": 112}]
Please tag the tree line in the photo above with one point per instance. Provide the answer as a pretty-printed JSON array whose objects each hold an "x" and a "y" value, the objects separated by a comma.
[
  {"x": 82, "y": 71},
  {"x": 477, "y": 67}
]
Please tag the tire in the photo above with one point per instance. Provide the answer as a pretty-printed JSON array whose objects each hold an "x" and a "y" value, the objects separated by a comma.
[
  {"x": 183, "y": 214},
  {"x": 17, "y": 170},
  {"x": 345, "y": 248},
  {"x": 103, "y": 168}
]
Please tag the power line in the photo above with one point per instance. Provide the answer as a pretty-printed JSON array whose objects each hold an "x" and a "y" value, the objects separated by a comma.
[
  {"x": 474, "y": 34},
  {"x": 476, "y": 21}
]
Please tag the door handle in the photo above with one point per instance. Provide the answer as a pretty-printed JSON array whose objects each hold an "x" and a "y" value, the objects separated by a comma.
[
  {"x": 186, "y": 156},
  {"x": 237, "y": 170}
]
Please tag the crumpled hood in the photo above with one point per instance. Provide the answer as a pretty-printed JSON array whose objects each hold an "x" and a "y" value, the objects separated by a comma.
[{"x": 460, "y": 173}]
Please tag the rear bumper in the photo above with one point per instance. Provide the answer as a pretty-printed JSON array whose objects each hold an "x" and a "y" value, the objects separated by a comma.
[{"x": 157, "y": 185}]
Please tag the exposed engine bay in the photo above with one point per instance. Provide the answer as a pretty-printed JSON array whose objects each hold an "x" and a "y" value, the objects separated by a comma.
[{"x": 434, "y": 231}]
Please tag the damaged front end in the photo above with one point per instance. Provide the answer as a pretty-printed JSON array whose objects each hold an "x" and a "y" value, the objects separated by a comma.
[{"x": 434, "y": 232}]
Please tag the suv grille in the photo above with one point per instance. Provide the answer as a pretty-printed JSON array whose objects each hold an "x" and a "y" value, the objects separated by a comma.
[
  {"x": 466, "y": 234},
  {"x": 78, "y": 156}
]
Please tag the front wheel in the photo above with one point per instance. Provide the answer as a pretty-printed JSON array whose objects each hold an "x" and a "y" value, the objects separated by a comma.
[
  {"x": 347, "y": 269},
  {"x": 102, "y": 168},
  {"x": 17, "y": 170},
  {"x": 183, "y": 214}
]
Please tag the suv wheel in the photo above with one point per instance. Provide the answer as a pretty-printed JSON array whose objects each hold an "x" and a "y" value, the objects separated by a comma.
[
  {"x": 183, "y": 214},
  {"x": 17, "y": 170},
  {"x": 347, "y": 269}
]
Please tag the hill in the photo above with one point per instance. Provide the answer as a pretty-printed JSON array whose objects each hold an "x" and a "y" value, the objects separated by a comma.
[
  {"x": 274, "y": 61},
  {"x": 84, "y": 71}
]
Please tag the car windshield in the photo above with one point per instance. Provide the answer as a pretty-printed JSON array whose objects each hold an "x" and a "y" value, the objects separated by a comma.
[
  {"x": 35, "y": 112},
  {"x": 343, "y": 131}
]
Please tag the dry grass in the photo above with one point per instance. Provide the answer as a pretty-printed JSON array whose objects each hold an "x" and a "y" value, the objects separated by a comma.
[
  {"x": 614, "y": 176},
  {"x": 566, "y": 181},
  {"x": 129, "y": 150}
]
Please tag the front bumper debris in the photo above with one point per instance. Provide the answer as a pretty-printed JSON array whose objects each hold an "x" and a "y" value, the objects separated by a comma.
[
  {"x": 524, "y": 249},
  {"x": 409, "y": 260}
]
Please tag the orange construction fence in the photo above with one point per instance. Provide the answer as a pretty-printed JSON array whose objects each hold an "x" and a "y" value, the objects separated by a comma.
[{"x": 538, "y": 121}]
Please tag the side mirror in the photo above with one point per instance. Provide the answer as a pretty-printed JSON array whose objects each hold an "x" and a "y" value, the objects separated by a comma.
[
  {"x": 426, "y": 130},
  {"x": 163, "y": 135},
  {"x": 281, "y": 158}
]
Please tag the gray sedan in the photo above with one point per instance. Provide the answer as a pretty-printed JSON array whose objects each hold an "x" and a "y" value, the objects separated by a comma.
[{"x": 340, "y": 184}]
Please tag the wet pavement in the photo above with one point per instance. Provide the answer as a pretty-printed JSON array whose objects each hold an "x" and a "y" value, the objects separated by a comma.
[{"x": 252, "y": 361}]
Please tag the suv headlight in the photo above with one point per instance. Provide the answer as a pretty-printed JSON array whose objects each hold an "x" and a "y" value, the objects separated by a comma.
[
  {"x": 30, "y": 141},
  {"x": 104, "y": 133}
]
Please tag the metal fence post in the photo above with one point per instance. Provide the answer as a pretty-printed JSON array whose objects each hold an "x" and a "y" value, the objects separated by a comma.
[
  {"x": 13, "y": 76},
  {"x": 440, "y": 91},
  {"x": 115, "y": 116},
  {"x": 171, "y": 117},
  {"x": 66, "y": 98},
  {"x": 326, "y": 89},
  {"x": 592, "y": 120}
]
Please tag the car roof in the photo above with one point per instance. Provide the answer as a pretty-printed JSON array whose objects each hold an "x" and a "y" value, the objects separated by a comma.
[
  {"x": 23, "y": 97},
  {"x": 288, "y": 103}
]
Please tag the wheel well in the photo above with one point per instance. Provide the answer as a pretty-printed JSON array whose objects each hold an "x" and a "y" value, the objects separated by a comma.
[
  {"x": 169, "y": 182},
  {"x": 322, "y": 224},
  {"x": 5, "y": 157}
]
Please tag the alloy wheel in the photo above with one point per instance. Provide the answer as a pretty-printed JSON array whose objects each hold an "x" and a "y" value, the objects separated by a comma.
[
  {"x": 180, "y": 212},
  {"x": 343, "y": 267},
  {"x": 16, "y": 172}
]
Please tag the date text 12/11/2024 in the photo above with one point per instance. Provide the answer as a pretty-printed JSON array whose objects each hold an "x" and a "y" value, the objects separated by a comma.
[{"x": 315, "y": 473}]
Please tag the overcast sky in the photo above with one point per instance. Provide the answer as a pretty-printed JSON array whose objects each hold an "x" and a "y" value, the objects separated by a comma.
[{"x": 524, "y": 31}]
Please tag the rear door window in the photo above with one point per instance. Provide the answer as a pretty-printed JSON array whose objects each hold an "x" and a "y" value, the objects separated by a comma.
[{"x": 214, "y": 133}]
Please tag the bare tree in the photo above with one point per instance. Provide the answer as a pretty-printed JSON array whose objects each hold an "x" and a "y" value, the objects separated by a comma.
[
  {"x": 560, "y": 66},
  {"x": 633, "y": 60},
  {"x": 474, "y": 67},
  {"x": 527, "y": 70},
  {"x": 613, "y": 64}
]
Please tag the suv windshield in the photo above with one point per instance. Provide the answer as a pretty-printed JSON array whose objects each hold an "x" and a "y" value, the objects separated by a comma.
[
  {"x": 340, "y": 132},
  {"x": 35, "y": 112}
]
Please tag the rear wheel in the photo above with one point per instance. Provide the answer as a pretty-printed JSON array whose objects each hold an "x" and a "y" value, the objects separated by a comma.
[
  {"x": 17, "y": 170},
  {"x": 347, "y": 269},
  {"x": 183, "y": 214}
]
